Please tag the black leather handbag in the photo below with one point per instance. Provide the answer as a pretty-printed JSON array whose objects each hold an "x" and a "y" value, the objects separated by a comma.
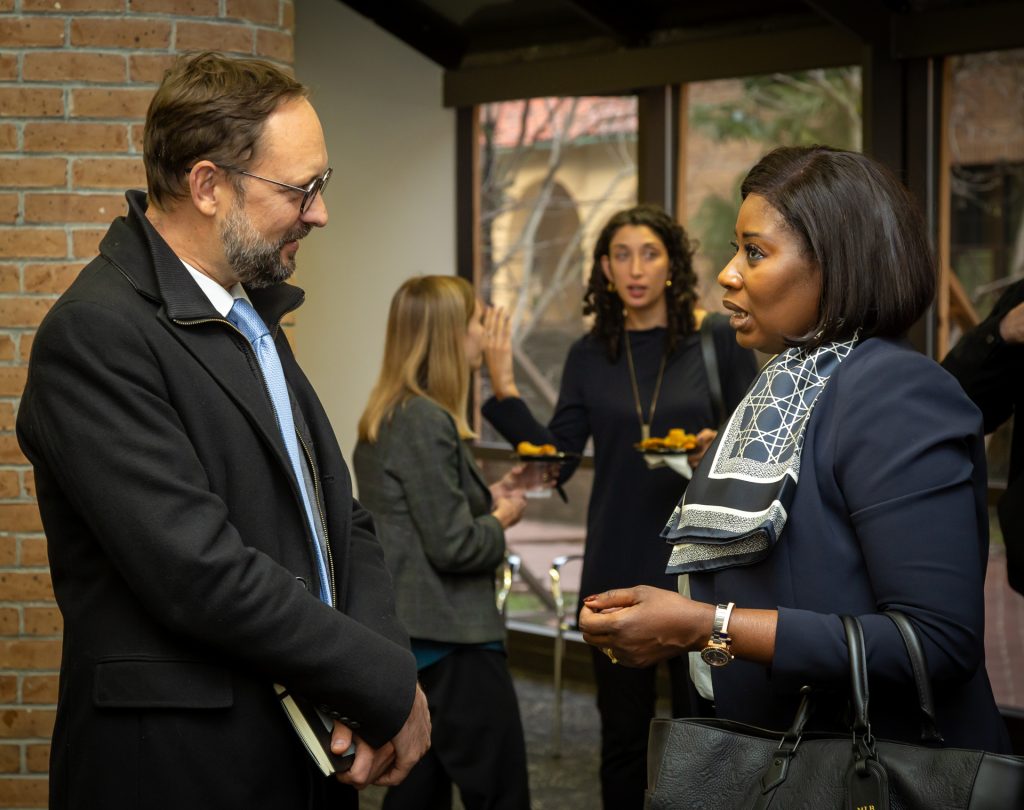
[{"x": 710, "y": 764}]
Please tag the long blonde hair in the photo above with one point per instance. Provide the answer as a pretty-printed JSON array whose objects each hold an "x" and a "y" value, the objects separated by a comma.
[{"x": 424, "y": 352}]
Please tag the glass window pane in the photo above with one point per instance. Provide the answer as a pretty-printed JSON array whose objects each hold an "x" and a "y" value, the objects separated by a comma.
[
  {"x": 552, "y": 170},
  {"x": 731, "y": 123}
]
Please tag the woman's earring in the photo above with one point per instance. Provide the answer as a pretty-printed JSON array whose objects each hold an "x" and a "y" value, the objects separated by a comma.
[
  {"x": 668, "y": 282},
  {"x": 611, "y": 286}
]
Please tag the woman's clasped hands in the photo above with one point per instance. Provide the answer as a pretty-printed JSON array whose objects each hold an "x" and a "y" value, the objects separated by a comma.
[{"x": 644, "y": 625}]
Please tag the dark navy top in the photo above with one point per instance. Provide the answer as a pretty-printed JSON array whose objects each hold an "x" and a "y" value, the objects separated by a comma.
[
  {"x": 629, "y": 503},
  {"x": 889, "y": 512}
]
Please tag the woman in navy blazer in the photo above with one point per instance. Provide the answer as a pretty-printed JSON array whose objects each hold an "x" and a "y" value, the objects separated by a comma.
[{"x": 850, "y": 481}]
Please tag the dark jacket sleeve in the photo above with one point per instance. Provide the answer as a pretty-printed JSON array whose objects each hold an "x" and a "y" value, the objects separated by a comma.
[
  {"x": 101, "y": 420},
  {"x": 905, "y": 445},
  {"x": 569, "y": 427},
  {"x": 989, "y": 369}
]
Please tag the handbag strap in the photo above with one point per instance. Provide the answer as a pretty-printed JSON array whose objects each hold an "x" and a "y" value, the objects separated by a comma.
[
  {"x": 707, "y": 350},
  {"x": 858, "y": 674},
  {"x": 918, "y": 663}
]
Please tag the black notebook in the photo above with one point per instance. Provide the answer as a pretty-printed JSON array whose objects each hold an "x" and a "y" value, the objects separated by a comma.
[{"x": 314, "y": 728}]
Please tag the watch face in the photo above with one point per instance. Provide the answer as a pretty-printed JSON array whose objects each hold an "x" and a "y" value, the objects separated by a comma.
[{"x": 715, "y": 656}]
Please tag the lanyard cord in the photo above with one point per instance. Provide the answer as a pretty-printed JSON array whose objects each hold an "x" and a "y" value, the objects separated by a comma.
[{"x": 645, "y": 427}]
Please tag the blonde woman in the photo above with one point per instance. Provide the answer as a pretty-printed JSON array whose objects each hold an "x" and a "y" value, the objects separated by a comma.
[{"x": 443, "y": 533}]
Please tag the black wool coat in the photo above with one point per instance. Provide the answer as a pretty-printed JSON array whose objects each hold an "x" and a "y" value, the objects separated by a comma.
[{"x": 180, "y": 554}]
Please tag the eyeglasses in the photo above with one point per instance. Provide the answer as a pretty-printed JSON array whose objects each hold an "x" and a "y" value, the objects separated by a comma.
[{"x": 309, "y": 192}]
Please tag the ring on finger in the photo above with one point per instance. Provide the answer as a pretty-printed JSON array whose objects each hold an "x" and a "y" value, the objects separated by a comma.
[{"x": 611, "y": 656}]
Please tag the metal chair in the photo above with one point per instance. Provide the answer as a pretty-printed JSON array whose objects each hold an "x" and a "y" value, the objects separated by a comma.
[
  {"x": 565, "y": 627},
  {"x": 507, "y": 572}
]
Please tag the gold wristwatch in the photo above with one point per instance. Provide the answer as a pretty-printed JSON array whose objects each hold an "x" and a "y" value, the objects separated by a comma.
[{"x": 718, "y": 651}]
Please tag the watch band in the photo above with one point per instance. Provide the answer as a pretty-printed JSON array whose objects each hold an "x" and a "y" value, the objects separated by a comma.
[
  {"x": 718, "y": 651},
  {"x": 720, "y": 626}
]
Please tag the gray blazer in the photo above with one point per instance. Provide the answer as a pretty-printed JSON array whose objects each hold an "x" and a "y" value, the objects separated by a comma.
[{"x": 432, "y": 510}]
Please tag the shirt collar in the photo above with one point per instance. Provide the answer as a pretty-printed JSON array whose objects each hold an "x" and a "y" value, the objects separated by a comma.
[{"x": 221, "y": 299}]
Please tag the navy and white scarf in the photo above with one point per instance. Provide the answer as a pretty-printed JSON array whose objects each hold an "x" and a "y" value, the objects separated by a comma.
[{"x": 736, "y": 505}]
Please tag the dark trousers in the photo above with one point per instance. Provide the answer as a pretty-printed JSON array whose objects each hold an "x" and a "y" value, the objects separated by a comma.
[
  {"x": 476, "y": 739},
  {"x": 626, "y": 700}
]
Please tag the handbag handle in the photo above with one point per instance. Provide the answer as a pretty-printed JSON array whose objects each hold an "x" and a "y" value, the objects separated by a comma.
[
  {"x": 918, "y": 664},
  {"x": 858, "y": 675}
]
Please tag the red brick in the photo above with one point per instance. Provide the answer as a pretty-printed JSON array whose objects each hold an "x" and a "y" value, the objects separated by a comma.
[
  {"x": 10, "y": 758},
  {"x": 21, "y": 517},
  {"x": 9, "y": 279},
  {"x": 10, "y": 483},
  {"x": 21, "y": 723},
  {"x": 135, "y": 136},
  {"x": 110, "y": 103},
  {"x": 98, "y": 32},
  {"x": 20, "y": 792},
  {"x": 35, "y": 102},
  {"x": 21, "y": 312},
  {"x": 195, "y": 36},
  {"x": 50, "y": 208},
  {"x": 63, "y": 66},
  {"x": 43, "y": 621},
  {"x": 33, "y": 172},
  {"x": 25, "y": 350},
  {"x": 267, "y": 12},
  {"x": 7, "y": 415},
  {"x": 276, "y": 45},
  {"x": 72, "y": 5},
  {"x": 85, "y": 242},
  {"x": 8, "y": 137},
  {"x": 30, "y": 481},
  {"x": 8, "y": 688},
  {"x": 10, "y": 621},
  {"x": 8, "y": 552},
  {"x": 32, "y": 32},
  {"x": 39, "y": 689},
  {"x": 8, "y": 209},
  {"x": 7, "y": 354},
  {"x": 8, "y": 67},
  {"x": 148, "y": 68},
  {"x": 37, "y": 758},
  {"x": 25, "y": 586},
  {"x": 10, "y": 453},
  {"x": 180, "y": 8},
  {"x": 39, "y": 243},
  {"x": 75, "y": 137},
  {"x": 33, "y": 549},
  {"x": 48, "y": 278},
  {"x": 107, "y": 173}
]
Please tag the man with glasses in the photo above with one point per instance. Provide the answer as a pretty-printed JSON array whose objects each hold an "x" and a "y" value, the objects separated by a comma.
[{"x": 203, "y": 539}]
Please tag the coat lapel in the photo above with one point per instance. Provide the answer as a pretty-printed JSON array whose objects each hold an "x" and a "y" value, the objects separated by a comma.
[{"x": 190, "y": 318}]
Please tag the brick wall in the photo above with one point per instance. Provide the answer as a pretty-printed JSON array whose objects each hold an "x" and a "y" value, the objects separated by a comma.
[{"x": 75, "y": 79}]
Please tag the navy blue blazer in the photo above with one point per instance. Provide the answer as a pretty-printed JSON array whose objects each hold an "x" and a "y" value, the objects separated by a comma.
[{"x": 890, "y": 512}]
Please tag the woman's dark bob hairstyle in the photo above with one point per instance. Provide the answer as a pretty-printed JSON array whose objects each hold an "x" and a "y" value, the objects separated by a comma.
[
  {"x": 680, "y": 297},
  {"x": 861, "y": 228}
]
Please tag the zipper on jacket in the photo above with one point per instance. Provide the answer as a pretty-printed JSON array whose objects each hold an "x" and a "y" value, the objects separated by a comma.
[{"x": 316, "y": 486}]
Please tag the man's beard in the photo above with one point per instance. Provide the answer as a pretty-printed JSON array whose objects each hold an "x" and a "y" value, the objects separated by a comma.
[{"x": 257, "y": 262}]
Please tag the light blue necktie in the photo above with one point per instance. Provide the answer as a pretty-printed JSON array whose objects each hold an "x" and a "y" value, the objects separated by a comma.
[{"x": 251, "y": 325}]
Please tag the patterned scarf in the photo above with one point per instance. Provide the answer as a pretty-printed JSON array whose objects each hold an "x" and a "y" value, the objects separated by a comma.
[{"x": 735, "y": 507}]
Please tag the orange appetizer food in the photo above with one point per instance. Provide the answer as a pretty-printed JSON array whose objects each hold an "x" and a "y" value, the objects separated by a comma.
[
  {"x": 529, "y": 449},
  {"x": 677, "y": 440}
]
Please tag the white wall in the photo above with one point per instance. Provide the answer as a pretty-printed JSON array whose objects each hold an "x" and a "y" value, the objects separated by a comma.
[{"x": 391, "y": 199}]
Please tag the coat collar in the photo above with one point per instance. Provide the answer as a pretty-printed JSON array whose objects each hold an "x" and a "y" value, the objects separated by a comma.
[{"x": 166, "y": 279}]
